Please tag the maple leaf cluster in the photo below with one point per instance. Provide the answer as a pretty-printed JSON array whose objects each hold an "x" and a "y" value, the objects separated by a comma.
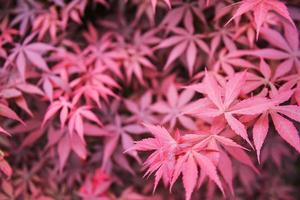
[{"x": 94, "y": 93}]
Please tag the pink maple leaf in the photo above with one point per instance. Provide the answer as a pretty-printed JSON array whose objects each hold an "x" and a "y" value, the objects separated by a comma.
[
  {"x": 14, "y": 90},
  {"x": 76, "y": 116},
  {"x": 4, "y": 166},
  {"x": 260, "y": 9},
  {"x": 145, "y": 8},
  {"x": 171, "y": 158},
  {"x": 50, "y": 81},
  {"x": 229, "y": 61},
  {"x": 25, "y": 14},
  {"x": 162, "y": 160},
  {"x": 103, "y": 51},
  {"x": 182, "y": 12},
  {"x": 187, "y": 165},
  {"x": 93, "y": 84},
  {"x": 47, "y": 22},
  {"x": 27, "y": 51},
  {"x": 133, "y": 62},
  {"x": 212, "y": 142},
  {"x": 7, "y": 33},
  {"x": 186, "y": 42},
  {"x": 154, "y": 3},
  {"x": 141, "y": 109},
  {"x": 64, "y": 143},
  {"x": 5, "y": 111},
  {"x": 74, "y": 10},
  {"x": 255, "y": 81},
  {"x": 7, "y": 190},
  {"x": 97, "y": 187},
  {"x": 120, "y": 132},
  {"x": 225, "y": 35},
  {"x": 61, "y": 104},
  {"x": 173, "y": 109},
  {"x": 225, "y": 102},
  {"x": 283, "y": 126},
  {"x": 289, "y": 49}
]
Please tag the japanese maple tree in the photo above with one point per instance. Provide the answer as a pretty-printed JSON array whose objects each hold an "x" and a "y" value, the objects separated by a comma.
[{"x": 200, "y": 96}]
